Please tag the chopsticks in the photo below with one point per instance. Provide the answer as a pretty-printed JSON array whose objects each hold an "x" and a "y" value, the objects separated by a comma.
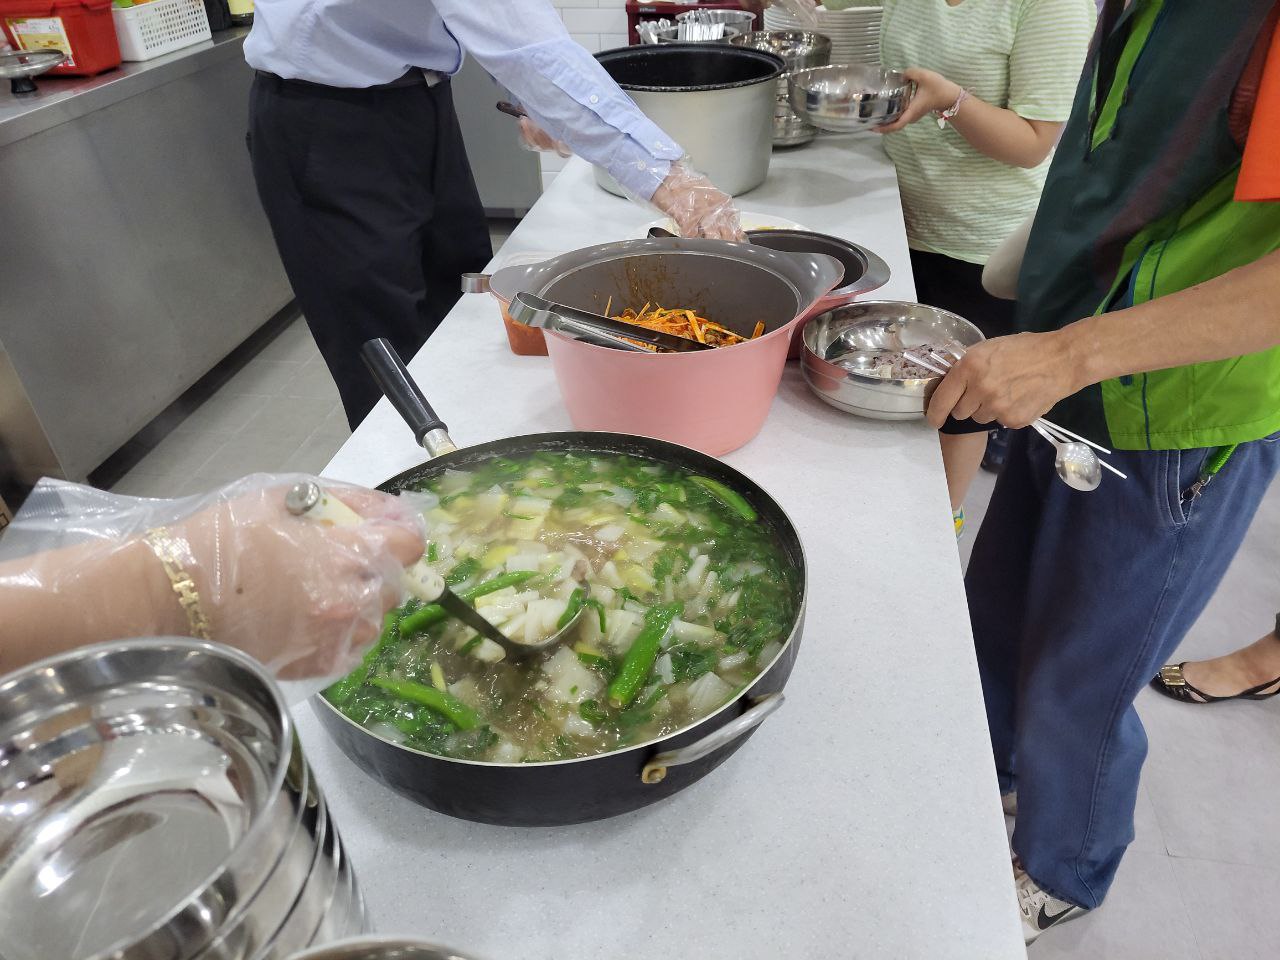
[{"x": 937, "y": 363}]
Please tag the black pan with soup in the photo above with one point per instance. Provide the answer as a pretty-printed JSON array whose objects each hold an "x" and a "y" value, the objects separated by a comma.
[{"x": 691, "y": 626}]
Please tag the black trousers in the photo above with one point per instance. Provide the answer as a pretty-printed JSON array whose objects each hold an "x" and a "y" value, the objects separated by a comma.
[
  {"x": 374, "y": 210},
  {"x": 957, "y": 286}
]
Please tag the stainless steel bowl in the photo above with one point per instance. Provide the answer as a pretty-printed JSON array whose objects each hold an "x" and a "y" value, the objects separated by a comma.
[
  {"x": 383, "y": 948},
  {"x": 846, "y": 98},
  {"x": 153, "y": 803},
  {"x": 799, "y": 50},
  {"x": 841, "y": 346}
]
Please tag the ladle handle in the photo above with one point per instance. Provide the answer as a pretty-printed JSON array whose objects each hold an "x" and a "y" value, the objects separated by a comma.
[{"x": 393, "y": 378}]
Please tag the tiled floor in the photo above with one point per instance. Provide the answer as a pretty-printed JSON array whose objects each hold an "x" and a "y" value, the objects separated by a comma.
[
  {"x": 280, "y": 412},
  {"x": 1201, "y": 880}
]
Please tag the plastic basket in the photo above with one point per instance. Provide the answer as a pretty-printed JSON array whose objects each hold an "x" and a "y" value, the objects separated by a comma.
[{"x": 152, "y": 29}]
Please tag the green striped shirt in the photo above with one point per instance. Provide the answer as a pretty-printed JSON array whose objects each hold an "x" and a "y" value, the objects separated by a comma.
[{"x": 1025, "y": 55}]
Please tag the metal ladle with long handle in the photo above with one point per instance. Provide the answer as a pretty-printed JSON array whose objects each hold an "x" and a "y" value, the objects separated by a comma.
[{"x": 308, "y": 499}]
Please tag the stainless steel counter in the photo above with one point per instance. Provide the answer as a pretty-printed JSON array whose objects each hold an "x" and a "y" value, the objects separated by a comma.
[{"x": 133, "y": 252}]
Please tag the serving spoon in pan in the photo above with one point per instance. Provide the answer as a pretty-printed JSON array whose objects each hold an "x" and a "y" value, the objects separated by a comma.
[{"x": 308, "y": 499}]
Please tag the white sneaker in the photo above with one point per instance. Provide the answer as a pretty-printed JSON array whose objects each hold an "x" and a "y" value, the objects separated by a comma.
[
  {"x": 1010, "y": 803},
  {"x": 1040, "y": 910}
]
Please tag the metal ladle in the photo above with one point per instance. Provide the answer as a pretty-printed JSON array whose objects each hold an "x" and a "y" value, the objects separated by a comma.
[{"x": 307, "y": 499}]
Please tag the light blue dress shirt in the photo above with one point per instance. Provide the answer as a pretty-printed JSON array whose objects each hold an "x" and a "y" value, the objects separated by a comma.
[{"x": 522, "y": 43}]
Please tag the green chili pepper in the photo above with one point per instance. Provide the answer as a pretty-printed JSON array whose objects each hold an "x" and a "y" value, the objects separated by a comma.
[
  {"x": 442, "y": 702},
  {"x": 729, "y": 498},
  {"x": 433, "y": 613},
  {"x": 599, "y": 609},
  {"x": 643, "y": 652},
  {"x": 576, "y": 601}
]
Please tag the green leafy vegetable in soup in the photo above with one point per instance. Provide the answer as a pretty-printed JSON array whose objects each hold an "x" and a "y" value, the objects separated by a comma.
[{"x": 690, "y": 598}]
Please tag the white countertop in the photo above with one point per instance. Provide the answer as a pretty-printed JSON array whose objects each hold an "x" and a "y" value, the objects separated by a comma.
[{"x": 863, "y": 818}]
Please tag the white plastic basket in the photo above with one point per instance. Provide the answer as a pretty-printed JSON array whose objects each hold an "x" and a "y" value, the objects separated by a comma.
[{"x": 152, "y": 29}]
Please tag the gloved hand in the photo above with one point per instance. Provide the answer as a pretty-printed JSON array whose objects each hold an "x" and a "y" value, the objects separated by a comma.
[
  {"x": 806, "y": 11},
  {"x": 533, "y": 137},
  {"x": 302, "y": 596},
  {"x": 696, "y": 205}
]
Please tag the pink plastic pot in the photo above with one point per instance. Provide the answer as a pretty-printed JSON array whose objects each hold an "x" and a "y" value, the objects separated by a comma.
[{"x": 712, "y": 400}]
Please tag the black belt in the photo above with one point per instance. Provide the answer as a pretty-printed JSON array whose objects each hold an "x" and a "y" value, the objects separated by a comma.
[{"x": 413, "y": 77}]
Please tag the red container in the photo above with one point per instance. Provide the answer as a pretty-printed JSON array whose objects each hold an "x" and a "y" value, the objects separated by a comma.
[{"x": 82, "y": 29}]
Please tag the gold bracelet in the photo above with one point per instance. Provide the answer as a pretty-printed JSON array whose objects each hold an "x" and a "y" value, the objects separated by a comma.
[{"x": 174, "y": 556}]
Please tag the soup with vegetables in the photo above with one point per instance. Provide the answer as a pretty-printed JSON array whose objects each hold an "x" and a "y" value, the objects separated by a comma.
[{"x": 688, "y": 597}]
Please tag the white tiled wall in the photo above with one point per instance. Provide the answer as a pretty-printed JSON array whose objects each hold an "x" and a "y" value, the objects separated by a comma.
[{"x": 597, "y": 25}]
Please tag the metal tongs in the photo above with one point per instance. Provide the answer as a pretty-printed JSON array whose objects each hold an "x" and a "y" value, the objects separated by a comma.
[{"x": 603, "y": 331}]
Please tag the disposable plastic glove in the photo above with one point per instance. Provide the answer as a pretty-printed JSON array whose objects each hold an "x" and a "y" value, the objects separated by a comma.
[
  {"x": 303, "y": 597},
  {"x": 696, "y": 205},
  {"x": 534, "y": 138}
]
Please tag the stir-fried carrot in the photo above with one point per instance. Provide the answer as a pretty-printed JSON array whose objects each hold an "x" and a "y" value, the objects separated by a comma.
[
  {"x": 758, "y": 330},
  {"x": 684, "y": 323}
]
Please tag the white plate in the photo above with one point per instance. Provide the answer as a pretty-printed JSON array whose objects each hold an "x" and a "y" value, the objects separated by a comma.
[{"x": 750, "y": 221}]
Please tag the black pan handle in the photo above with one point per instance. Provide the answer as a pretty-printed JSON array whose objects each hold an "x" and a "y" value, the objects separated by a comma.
[{"x": 398, "y": 386}]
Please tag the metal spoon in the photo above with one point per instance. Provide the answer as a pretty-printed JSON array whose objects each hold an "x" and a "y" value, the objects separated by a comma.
[
  {"x": 421, "y": 581},
  {"x": 521, "y": 651},
  {"x": 1077, "y": 465}
]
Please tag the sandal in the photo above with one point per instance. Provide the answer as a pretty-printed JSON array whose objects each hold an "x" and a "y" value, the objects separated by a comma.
[{"x": 1172, "y": 683}]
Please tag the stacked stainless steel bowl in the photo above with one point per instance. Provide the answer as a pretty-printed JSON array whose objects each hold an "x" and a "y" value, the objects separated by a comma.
[
  {"x": 155, "y": 805},
  {"x": 799, "y": 50}
]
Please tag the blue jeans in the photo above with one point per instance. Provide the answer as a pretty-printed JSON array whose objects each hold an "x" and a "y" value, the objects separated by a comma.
[{"x": 1076, "y": 600}]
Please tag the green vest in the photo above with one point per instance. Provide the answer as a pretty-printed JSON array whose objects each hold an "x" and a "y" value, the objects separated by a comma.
[{"x": 1139, "y": 204}]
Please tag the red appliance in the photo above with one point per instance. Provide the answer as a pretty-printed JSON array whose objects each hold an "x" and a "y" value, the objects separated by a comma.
[
  {"x": 82, "y": 29},
  {"x": 640, "y": 11}
]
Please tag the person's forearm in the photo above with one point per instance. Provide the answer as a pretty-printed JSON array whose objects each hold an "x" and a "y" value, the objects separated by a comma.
[
  {"x": 1230, "y": 316},
  {"x": 565, "y": 91},
  {"x": 1003, "y": 135},
  {"x": 124, "y": 586}
]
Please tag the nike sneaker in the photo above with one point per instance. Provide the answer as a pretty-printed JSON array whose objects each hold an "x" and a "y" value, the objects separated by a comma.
[{"x": 1040, "y": 910}]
